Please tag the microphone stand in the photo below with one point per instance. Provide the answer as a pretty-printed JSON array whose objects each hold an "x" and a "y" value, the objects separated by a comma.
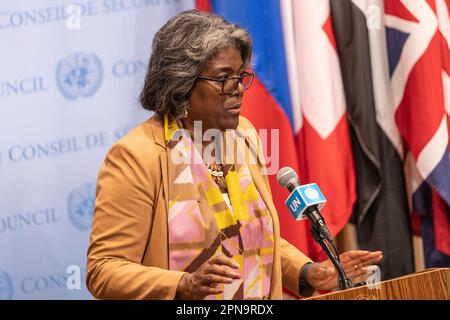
[{"x": 344, "y": 282}]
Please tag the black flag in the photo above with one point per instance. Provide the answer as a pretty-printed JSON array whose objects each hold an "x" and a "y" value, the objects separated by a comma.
[{"x": 381, "y": 213}]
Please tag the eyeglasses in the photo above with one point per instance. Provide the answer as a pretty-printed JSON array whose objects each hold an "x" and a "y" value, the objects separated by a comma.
[{"x": 229, "y": 85}]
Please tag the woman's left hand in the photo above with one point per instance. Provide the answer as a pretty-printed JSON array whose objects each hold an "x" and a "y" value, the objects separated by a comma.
[{"x": 323, "y": 276}]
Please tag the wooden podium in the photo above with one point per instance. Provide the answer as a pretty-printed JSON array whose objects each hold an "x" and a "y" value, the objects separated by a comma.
[{"x": 430, "y": 284}]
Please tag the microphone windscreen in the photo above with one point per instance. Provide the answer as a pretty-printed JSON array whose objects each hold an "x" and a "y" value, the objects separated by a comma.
[{"x": 286, "y": 176}]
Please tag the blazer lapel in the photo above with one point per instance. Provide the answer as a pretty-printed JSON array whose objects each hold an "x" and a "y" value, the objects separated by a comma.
[{"x": 158, "y": 135}]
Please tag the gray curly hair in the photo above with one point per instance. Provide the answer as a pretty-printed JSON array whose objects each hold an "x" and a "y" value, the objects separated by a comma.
[{"x": 181, "y": 50}]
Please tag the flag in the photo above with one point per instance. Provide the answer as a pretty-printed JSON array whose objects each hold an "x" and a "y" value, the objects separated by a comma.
[
  {"x": 417, "y": 35},
  {"x": 322, "y": 131},
  {"x": 381, "y": 212},
  {"x": 410, "y": 65}
]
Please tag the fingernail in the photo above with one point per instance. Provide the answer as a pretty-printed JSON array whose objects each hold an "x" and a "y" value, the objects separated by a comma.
[{"x": 236, "y": 265}]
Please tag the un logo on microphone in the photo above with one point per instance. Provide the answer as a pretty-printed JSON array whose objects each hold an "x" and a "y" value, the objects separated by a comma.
[
  {"x": 79, "y": 75},
  {"x": 312, "y": 193},
  {"x": 80, "y": 206},
  {"x": 6, "y": 286}
]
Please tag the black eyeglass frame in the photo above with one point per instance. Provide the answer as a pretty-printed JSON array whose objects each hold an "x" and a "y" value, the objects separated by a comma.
[{"x": 223, "y": 80}]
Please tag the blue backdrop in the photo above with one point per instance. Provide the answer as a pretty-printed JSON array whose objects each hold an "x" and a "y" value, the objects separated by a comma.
[{"x": 70, "y": 76}]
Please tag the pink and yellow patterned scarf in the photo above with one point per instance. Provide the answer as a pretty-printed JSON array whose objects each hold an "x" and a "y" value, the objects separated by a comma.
[{"x": 201, "y": 225}]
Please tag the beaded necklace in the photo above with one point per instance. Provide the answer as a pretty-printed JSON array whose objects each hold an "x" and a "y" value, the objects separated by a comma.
[{"x": 218, "y": 174}]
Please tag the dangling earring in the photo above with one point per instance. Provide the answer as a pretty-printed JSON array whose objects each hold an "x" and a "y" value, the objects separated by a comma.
[{"x": 185, "y": 113}]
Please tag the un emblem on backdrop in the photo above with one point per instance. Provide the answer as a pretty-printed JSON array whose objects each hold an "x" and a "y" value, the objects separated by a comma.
[
  {"x": 80, "y": 206},
  {"x": 6, "y": 286},
  {"x": 79, "y": 75}
]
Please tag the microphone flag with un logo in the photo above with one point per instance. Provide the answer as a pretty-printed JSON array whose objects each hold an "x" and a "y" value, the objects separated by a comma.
[{"x": 303, "y": 197}]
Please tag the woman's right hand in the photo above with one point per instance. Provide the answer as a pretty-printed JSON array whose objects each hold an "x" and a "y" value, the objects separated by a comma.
[{"x": 205, "y": 281}]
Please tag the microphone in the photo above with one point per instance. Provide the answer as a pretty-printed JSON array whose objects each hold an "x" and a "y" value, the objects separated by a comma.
[{"x": 305, "y": 201}]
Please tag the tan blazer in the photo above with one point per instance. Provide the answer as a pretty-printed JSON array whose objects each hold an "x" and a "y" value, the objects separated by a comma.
[{"x": 128, "y": 252}]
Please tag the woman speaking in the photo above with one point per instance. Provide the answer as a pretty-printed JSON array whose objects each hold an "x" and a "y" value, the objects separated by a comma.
[{"x": 177, "y": 219}]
